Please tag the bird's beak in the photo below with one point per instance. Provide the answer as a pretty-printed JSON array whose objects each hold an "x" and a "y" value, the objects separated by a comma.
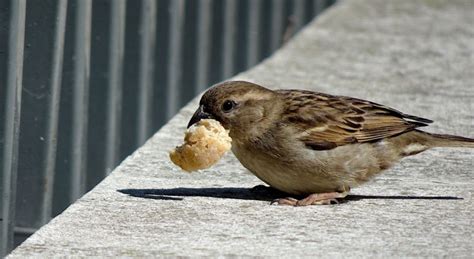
[{"x": 199, "y": 115}]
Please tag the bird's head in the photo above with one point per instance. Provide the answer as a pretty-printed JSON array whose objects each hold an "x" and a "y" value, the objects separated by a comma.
[{"x": 241, "y": 107}]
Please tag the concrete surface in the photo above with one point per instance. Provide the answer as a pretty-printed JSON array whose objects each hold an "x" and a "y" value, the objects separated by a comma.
[{"x": 417, "y": 56}]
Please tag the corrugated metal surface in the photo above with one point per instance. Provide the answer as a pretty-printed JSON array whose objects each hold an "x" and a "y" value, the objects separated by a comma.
[
  {"x": 99, "y": 77},
  {"x": 11, "y": 126}
]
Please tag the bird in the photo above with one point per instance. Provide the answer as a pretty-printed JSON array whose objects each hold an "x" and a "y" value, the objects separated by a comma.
[{"x": 314, "y": 146}]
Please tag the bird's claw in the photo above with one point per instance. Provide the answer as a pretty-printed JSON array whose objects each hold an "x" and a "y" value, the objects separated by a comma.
[
  {"x": 289, "y": 201},
  {"x": 319, "y": 202},
  {"x": 313, "y": 199}
]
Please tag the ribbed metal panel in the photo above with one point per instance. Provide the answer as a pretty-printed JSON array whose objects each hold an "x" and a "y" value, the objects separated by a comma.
[
  {"x": 146, "y": 61},
  {"x": 229, "y": 35},
  {"x": 101, "y": 76},
  {"x": 277, "y": 24},
  {"x": 81, "y": 98},
  {"x": 114, "y": 102},
  {"x": 298, "y": 13},
  {"x": 253, "y": 32},
  {"x": 203, "y": 49},
  {"x": 175, "y": 57},
  {"x": 53, "y": 112},
  {"x": 12, "y": 121}
]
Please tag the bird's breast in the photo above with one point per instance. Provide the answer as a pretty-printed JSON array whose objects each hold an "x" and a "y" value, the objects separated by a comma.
[
  {"x": 286, "y": 170},
  {"x": 299, "y": 170}
]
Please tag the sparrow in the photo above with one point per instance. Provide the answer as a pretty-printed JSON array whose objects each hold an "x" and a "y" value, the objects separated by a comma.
[{"x": 315, "y": 145}]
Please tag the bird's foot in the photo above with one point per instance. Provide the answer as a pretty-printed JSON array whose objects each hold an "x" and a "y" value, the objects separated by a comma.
[{"x": 313, "y": 199}]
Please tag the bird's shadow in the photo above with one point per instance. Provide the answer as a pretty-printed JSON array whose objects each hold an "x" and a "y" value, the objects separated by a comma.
[{"x": 259, "y": 192}]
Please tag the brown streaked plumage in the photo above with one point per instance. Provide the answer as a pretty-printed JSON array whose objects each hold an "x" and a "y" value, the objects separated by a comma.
[{"x": 307, "y": 143}]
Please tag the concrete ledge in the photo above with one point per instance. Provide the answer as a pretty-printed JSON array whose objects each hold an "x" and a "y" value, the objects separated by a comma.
[{"x": 416, "y": 56}]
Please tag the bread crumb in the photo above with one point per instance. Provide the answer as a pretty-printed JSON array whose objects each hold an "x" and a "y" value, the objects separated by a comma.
[{"x": 204, "y": 144}]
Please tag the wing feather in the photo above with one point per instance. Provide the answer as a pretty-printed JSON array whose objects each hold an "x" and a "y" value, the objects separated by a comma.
[{"x": 327, "y": 121}]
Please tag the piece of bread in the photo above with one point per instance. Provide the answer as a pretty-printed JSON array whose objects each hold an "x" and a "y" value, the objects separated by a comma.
[{"x": 204, "y": 144}]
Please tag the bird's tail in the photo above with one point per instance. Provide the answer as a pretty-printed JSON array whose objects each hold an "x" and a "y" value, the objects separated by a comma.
[{"x": 444, "y": 140}]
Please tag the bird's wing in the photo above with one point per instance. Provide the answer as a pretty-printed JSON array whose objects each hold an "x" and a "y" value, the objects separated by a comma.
[{"x": 327, "y": 121}]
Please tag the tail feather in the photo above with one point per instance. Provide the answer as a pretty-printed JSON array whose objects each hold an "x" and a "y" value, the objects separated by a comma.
[{"x": 444, "y": 140}]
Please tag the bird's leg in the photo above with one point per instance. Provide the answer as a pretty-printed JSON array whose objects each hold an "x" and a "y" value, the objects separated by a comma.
[
  {"x": 285, "y": 201},
  {"x": 321, "y": 199},
  {"x": 313, "y": 199}
]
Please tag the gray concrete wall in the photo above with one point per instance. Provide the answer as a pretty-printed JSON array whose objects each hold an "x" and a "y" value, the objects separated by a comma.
[{"x": 416, "y": 56}]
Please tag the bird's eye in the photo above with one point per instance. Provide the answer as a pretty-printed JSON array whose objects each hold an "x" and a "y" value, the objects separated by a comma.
[{"x": 228, "y": 105}]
